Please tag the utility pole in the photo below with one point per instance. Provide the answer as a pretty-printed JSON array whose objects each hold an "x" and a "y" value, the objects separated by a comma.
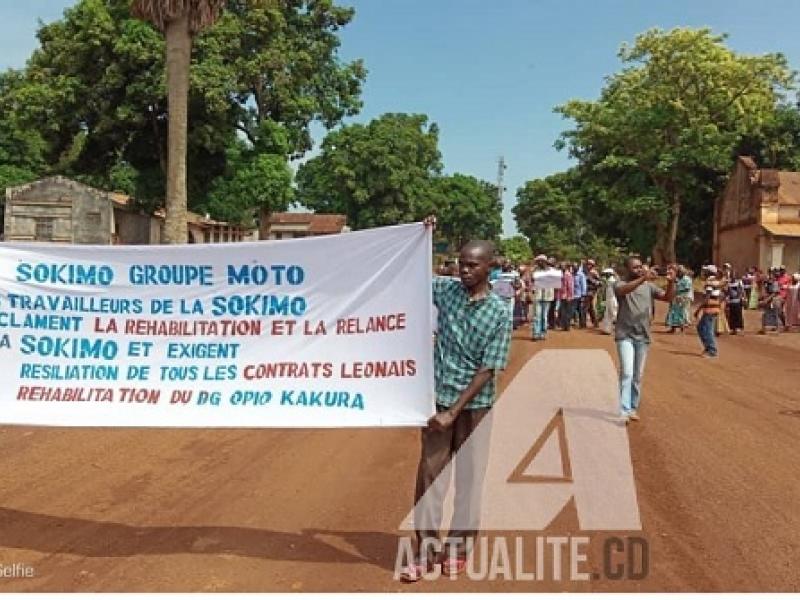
[{"x": 501, "y": 172}]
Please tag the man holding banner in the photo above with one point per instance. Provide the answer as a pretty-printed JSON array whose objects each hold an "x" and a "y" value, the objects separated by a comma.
[{"x": 474, "y": 336}]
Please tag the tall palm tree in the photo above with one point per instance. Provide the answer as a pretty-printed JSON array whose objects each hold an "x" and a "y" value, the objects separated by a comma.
[{"x": 179, "y": 21}]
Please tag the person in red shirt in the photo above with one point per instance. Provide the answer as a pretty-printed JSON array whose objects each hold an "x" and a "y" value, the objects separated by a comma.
[{"x": 784, "y": 281}]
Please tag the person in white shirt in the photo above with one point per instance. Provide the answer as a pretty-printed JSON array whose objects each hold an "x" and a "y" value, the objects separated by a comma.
[
  {"x": 610, "y": 301},
  {"x": 506, "y": 285}
]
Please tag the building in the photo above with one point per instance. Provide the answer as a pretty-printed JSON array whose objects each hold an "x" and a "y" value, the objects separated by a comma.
[
  {"x": 757, "y": 218},
  {"x": 57, "y": 209},
  {"x": 287, "y": 226}
]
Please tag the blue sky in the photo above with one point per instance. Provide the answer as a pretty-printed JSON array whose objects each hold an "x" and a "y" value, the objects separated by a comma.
[{"x": 489, "y": 72}]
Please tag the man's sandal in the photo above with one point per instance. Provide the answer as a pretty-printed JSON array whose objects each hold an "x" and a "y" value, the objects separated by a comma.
[
  {"x": 453, "y": 566},
  {"x": 415, "y": 571}
]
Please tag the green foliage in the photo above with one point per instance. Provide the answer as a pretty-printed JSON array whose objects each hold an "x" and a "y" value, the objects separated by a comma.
[
  {"x": 776, "y": 144},
  {"x": 517, "y": 249},
  {"x": 376, "y": 174},
  {"x": 21, "y": 149},
  {"x": 562, "y": 216},
  {"x": 255, "y": 181},
  {"x": 466, "y": 208},
  {"x": 664, "y": 128},
  {"x": 11, "y": 176},
  {"x": 387, "y": 172},
  {"x": 268, "y": 62},
  {"x": 92, "y": 98}
]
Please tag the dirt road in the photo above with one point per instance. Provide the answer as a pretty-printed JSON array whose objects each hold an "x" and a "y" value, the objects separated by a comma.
[{"x": 716, "y": 462}]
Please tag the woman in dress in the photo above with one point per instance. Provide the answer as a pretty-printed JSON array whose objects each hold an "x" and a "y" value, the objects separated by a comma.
[
  {"x": 734, "y": 304},
  {"x": 679, "y": 308}
]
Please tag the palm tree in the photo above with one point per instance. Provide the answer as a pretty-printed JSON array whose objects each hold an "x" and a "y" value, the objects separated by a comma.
[{"x": 179, "y": 21}]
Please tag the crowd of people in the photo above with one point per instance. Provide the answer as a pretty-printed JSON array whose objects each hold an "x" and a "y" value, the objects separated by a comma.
[
  {"x": 479, "y": 300},
  {"x": 586, "y": 297}
]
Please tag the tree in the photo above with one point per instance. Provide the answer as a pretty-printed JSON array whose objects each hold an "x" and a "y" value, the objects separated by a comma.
[
  {"x": 271, "y": 62},
  {"x": 179, "y": 21},
  {"x": 776, "y": 145},
  {"x": 549, "y": 217},
  {"x": 466, "y": 208},
  {"x": 667, "y": 124},
  {"x": 376, "y": 174},
  {"x": 94, "y": 92},
  {"x": 560, "y": 217},
  {"x": 21, "y": 150},
  {"x": 517, "y": 249},
  {"x": 258, "y": 181}
]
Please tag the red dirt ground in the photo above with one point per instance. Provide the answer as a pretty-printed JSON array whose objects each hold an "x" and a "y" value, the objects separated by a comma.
[{"x": 715, "y": 459}]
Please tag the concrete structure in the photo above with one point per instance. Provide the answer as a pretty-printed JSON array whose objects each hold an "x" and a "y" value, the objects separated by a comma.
[
  {"x": 57, "y": 209},
  {"x": 757, "y": 218},
  {"x": 287, "y": 226}
]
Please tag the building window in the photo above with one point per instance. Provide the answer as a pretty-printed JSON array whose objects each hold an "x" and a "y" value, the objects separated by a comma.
[{"x": 44, "y": 230}]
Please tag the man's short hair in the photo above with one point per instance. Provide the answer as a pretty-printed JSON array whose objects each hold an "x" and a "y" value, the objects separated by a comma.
[
  {"x": 630, "y": 259},
  {"x": 485, "y": 246}
]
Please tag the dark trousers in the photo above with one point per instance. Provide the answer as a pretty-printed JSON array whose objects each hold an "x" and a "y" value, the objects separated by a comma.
[
  {"x": 735, "y": 315},
  {"x": 780, "y": 306},
  {"x": 566, "y": 311},
  {"x": 551, "y": 315},
  {"x": 580, "y": 309},
  {"x": 438, "y": 449},
  {"x": 588, "y": 302}
]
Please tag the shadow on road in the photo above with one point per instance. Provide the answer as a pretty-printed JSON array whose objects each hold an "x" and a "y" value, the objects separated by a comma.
[{"x": 85, "y": 537}]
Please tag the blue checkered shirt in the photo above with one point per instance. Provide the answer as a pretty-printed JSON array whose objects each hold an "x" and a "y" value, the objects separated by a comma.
[{"x": 472, "y": 335}]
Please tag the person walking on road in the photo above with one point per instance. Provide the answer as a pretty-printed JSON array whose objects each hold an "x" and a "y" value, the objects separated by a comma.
[
  {"x": 679, "y": 308},
  {"x": 506, "y": 285},
  {"x": 707, "y": 325},
  {"x": 567, "y": 304},
  {"x": 734, "y": 304},
  {"x": 792, "y": 308},
  {"x": 593, "y": 285},
  {"x": 609, "y": 304},
  {"x": 542, "y": 300},
  {"x": 580, "y": 290},
  {"x": 636, "y": 295}
]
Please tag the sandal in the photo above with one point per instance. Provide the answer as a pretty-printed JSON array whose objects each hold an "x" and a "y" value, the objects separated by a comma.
[
  {"x": 453, "y": 566},
  {"x": 415, "y": 571}
]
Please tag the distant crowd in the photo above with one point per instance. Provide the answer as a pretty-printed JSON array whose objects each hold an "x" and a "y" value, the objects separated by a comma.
[{"x": 585, "y": 296}]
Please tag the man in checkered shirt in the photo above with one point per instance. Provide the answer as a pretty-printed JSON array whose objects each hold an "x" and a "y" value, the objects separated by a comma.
[{"x": 474, "y": 334}]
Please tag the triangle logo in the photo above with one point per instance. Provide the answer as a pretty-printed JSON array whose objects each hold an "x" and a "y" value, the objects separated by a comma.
[{"x": 547, "y": 461}]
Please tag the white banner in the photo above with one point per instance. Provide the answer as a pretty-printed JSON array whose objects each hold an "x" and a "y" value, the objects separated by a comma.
[
  {"x": 319, "y": 332},
  {"x": 549, "y": 279}
]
